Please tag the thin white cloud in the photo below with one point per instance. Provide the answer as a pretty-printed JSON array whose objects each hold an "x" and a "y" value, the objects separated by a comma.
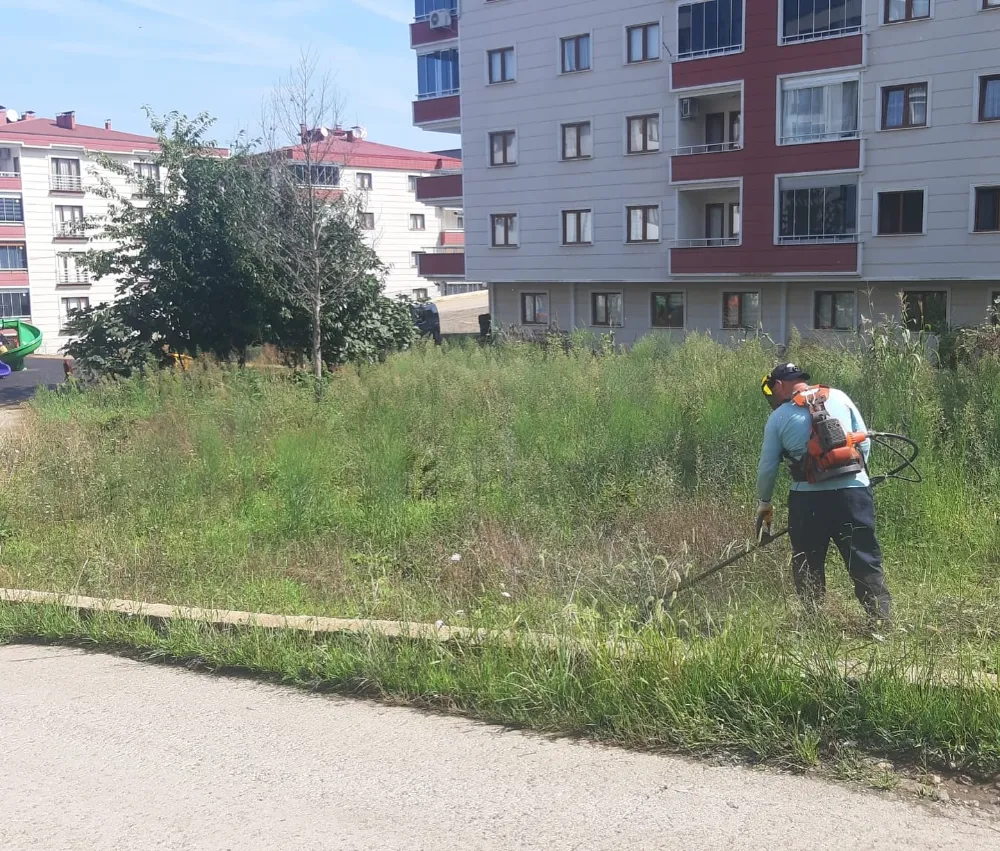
[
  {"x": 399, "y": 11},
  {"x": 213, "y": 57}
]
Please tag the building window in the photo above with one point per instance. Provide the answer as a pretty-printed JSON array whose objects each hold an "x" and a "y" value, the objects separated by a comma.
[
  {"x": 819, "y": 214},
  {"x": 643, "y": 223},
  {"x": 606, "y": 309},
  {"x": 503, "y": 66},
  {"x": 317, "y": 175},
  {"x": 643, "y": 43},
  {"x": 926, "y": 310},
  {"x": 69, "y": 270},
  {"x": 643, "y": 134},
  {"x": 991, "y": 4},
  {"x": 818, "y": 112},
  {"x": 13, "y": 258},
  {"x": 575, "y": 54},
  {"x": 994, "y": 313},
  {"x": 504, "y": 230},
  {"x": 67, "y": 306},
  {"x": 69, "y": 221},
  {"x": 363, "y": 180},
  {"x": 424, "y": 8},
  {"x": 710, "y": 28},
  {"x": 900, "y": 212},
  {"x": 66, "y": 175},
  {"x": 368, "y": 221},
  {"x": 802, "y": 20},
  {"x": 987, "y": 219},
  {"x": 740, "y": 310},
  {"x": 420, "y": 294},
  {"x": 418, "y": 221},
  {"x": 459, "y": 222},
  {"x": 577, "y": 227},
  {"x": 415, "y": 258},
  {"x": 503, "y": 148},
  {"x": 147, "y": 171},
  {"x": 668, "y": 310},
  {"x": 834, "y": 311},
  {"x": 11, "y": 211},
  {"x": 437, "y": 74},
  {"x": 989, "y": 98},
  {"x": 906, "y": 10},
  {"x": 904, "y": 106},
  {"x": 534, "y": 309},
  {"x": 15, "y": 304},
  {"x": 734, "y": 221},
  {"x": 577, "y": 141},
  {"x": 411, "y": 183}
]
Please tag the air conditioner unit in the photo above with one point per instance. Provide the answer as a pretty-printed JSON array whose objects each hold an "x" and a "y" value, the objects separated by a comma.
[
  {"x": 440, "y": 19},
  {"x": 689, "y": 107}
]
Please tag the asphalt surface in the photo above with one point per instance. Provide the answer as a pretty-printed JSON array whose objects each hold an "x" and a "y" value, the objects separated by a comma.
[
  {"x": 20, "y": 386},
  {"x": 100, "y": 752}
]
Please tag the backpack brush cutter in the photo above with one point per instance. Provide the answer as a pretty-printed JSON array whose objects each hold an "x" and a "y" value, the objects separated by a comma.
[{"x": 885, "y": 440}]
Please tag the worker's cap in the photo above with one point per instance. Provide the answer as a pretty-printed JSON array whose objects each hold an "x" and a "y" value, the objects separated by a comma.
[{"x": 788, "y": 372}]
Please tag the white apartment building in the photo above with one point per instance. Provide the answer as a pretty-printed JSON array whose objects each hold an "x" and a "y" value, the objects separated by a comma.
[
  {"x": 721, "y": 165},
  {"x": 49, "y": 171}
]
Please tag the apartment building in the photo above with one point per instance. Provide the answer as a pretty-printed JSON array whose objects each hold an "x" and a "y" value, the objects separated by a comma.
[
  {"x": 721, "y": 165},
  {"x": 403, "y": 228}
]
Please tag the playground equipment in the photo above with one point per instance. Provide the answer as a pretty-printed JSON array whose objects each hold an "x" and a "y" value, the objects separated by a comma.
[{"x": 28, "y": 339}]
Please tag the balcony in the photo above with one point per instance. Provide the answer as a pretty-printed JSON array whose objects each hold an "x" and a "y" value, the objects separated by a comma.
[
  {"x": 442, "y": 264},
  {"x": 421, "y": 33},
  {"x": 67, "y": 231},
  {"x": 70, "y": 183},
  {"x": 709, "y": 136},
  {"x": 71, "y": 276},
  {"x": 441, "y": 190},
  {"x": 441, "y": 112},
  {"x": 708, "y": 217},
  {"x": 452, "y": 238}
]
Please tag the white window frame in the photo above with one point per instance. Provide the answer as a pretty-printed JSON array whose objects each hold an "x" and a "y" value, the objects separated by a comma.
[
  {"x": 562, "y": 229},
  {"x": 718, "y": 52},
  {"x": 64, "y": 312},
  {"x": 410, "y": 223},
  {"x": 986, "y": 183},
  {"x": 521, "y": 293},
  {"x": 358, "y": 175},
  {"x": 892, "y": 84},
  {"x": 591, "y": 292},
  {"x": 17, "y": 196},
  {"x": 489, "y": 229},
  {"x": 735, "y": 287},
  {"x": 559, "y": 141},
  {"x": 625, "y": 137},
  {"x": 643, "y": 62},
  {"x": 82, "y": 275},
  {"x": 819, "y": 176},
  {"x": 707, "y": 91},
  {"x": 490, "y": 50},
  {"x": 825, "y": 289},
  {"x": 559, "y": 58},
  {"x": 625, "y": 213},
  {"x": 811, "y": 80},
  {"x": 412, "y": 178},
  {"x": 882, "y": 190},
  {"x": 489, "y": 147},
  {"x": 415, "y": 259},
  {"x": 664, "y": 291}
]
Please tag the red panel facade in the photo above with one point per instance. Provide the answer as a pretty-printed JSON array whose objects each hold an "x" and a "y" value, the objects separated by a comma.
[
  {"x": 13, "y": 278},
  {"x": 761, "y": 159},
  {"x": 438, "y": 187},
  {"x": 421, "y": 33},
  {"x": 442, "y": 265},
  {"x": 10, "y": 182},
  {"x": 436, "y": 109},
  {"x": 452, "y": 237},
  {"x": 8, "y": 232}
]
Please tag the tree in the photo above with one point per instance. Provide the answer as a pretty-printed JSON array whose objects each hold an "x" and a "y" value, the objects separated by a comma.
[
  {"x": 308, "y": 227},
  {"x": 188, "y": 276}
]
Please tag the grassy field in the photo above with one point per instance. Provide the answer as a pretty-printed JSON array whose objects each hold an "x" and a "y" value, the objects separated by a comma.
[{"x": 541, "y": 490}]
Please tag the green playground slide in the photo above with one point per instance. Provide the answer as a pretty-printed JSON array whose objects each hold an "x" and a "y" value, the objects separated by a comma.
[{"x": 29, "y": 339}]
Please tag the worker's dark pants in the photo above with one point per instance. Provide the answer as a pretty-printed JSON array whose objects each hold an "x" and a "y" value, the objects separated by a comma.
[{"x": 847, "y": 517}]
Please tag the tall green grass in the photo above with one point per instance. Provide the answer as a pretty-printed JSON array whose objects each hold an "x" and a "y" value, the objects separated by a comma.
[{"x": 547, "y": 488}]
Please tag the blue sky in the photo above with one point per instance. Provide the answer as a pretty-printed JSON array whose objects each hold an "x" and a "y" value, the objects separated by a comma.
[{"x": 109, "y": 58}]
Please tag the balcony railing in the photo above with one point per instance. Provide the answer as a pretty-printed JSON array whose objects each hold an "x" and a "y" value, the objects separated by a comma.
[
  {"x": 713, "y": 148},
  {"x": 708, "y": 242},
  {"x": 444, "y": 93},
  {"x": 72, "y": 276},
  {"x": 66, "y": 183},
  {"x": 711, "y": 51},
  {"x": 837, "y": 33},
  {"x": 10, "y": 174},
  {"x": 817, "y": 239},
  {"x": 825, "y": 136},
  {"x": 70, "y": 230}
]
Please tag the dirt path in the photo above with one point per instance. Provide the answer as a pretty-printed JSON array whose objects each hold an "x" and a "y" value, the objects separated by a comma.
[{"x": 106, "y": 753}]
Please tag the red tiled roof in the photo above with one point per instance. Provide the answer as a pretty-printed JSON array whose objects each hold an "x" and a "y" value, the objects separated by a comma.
[
  {"x": 45, "y": 131},
  {"x": 364, "y": 154}
]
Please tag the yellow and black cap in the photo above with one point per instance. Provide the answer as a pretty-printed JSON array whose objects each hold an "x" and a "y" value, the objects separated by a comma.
[{"x": 782, "y": 372}]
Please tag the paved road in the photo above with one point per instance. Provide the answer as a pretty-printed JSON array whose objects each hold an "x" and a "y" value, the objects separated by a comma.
[
  {"x": 105, "y": 753},
  {"x": 460, "y": 313},
  {"x": 20, "y": 386}
]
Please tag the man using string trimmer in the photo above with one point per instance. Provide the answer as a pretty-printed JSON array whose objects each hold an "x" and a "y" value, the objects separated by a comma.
[{"x": 820, "y": 433}]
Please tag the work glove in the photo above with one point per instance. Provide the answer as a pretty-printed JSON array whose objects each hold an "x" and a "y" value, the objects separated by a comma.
[{"x": 765, "y": 514}]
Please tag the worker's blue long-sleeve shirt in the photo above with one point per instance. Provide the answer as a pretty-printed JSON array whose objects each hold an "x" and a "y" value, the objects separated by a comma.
[{"x": 787, "y": 433}]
